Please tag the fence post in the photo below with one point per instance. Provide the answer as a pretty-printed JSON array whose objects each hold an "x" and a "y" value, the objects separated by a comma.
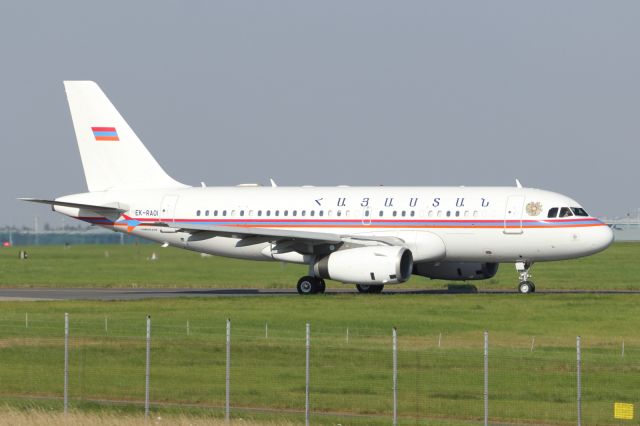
[
  {"x": 579, "y": 371},
  {"x": 227, "y": 404},
  {"x": 486, "y": 378},
  {"x": 66, "y": 362},
  {"x": 148, "y": 369},
  {"x": 306, "y": 396},
  {"x": 395, "y": 377}
]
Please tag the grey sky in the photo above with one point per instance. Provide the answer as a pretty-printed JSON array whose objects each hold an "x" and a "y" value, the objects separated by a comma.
[{"x": 332, "y": 92}]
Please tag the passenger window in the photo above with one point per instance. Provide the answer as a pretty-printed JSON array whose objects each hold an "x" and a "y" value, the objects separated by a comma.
[
  {"x": 339, "y": 213},
  {"x": 457, "y": 213},
  {"x": 381, "y": 213},
  {"x": 286, "y": 212},
  {"x": 448, "y": 213},
  {"x": 304, "y": 213},
  {"x": 366, "y": 213},
  {"x": 312, "y": 213},
  {"x": 268, "y": 212},
  {"x": 198, "y": 213},
  {"x": 321, "y": 213},
  {"x": 224, "y": 212},
  {"x": 259, "y": 212},
  {"x": 579, "y": 211},
  {"x": 553, "y": 212},
  {"x": 395, "y": 213},
  {"x": 413, "y": 213},
  {"x": 277, "y": 212},
  {"x": 295, "y": 213},
  {"x": 215, "y": 212},
  {"x": 241, "y": 212},
  {"x": 565, "y": 212},
  {"x": 206, "y": 213}
]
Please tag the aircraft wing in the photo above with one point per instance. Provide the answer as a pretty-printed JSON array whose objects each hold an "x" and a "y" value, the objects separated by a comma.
[
  {"x": 269, "y": 234},
  {"x": 287, "y": 239},
  {"x": 90, "y": 207}
]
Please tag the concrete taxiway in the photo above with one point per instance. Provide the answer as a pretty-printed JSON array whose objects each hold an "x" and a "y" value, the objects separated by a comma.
[{"x": 16, "y": 294}]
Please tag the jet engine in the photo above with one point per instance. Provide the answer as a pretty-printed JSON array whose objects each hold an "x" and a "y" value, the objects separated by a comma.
[
  {"x": 375, "y": 265},
  {"x": 456, "y": 270}
]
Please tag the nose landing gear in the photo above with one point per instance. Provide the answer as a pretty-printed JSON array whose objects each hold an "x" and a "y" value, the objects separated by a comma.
[{"x": 525, "y": 286}]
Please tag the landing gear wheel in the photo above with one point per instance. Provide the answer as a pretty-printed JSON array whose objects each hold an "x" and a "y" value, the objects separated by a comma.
[
  {"x": 367, "y": 288},
  {"x": 526, "y": 287},
  {"x": 377, "y": 289},
  {"x": 322, "y": 286},
  {"x": 308, "y": 285}
]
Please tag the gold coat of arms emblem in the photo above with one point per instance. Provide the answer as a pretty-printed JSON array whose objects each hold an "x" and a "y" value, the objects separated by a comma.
[{"x": 534, "y": 208}]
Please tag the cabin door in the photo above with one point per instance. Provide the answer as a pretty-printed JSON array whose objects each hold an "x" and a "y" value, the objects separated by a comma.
[
  {"x": 168, "y": 208},
  {"x": 513, "y": 214}
]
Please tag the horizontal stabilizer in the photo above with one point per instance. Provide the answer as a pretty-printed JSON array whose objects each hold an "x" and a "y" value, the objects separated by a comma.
[{"x": 93, "y": 208}]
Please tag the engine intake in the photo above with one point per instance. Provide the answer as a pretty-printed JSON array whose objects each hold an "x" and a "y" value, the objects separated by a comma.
[{"x": 367, "y": 265}]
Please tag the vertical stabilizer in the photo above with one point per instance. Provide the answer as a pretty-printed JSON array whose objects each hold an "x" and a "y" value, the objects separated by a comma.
[{"x": 112, "y": 155}]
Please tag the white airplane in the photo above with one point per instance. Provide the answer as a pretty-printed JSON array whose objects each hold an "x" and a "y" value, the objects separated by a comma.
[{"x": 367, "y": 236}]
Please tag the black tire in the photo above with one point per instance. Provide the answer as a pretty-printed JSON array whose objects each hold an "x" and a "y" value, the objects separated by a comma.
[
  {"x": 363, "y": 288},
  {"x": 307, "y": 285},
  {"x": 533, "y": 287},
  {"x": 322, "y": 286},
  {"x": 526, "y": 287},
  {"x": 369, "y": 288}
]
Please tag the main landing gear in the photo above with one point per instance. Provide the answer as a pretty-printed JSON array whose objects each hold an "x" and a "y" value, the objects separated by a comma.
[
  {"x": 525, "y": 286},
  {"x": 368, "y": 288},
  {"x": 310, "y": 285}
]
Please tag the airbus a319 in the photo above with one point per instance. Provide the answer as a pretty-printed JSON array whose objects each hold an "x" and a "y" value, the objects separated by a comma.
[{"x": 367, "y": 236}]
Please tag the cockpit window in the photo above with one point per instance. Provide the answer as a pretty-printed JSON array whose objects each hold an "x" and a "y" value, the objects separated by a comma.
[
  {"x": 579, "y": 211},
  {"x": 565, "y": 212},
  {"x": 553, "y": 212}
]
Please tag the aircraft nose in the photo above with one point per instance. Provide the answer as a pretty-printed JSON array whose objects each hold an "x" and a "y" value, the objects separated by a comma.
[{"x": 601, "y": 238}]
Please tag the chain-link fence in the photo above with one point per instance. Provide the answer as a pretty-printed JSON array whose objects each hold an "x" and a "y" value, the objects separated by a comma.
[{"x": 346, "y": 376}]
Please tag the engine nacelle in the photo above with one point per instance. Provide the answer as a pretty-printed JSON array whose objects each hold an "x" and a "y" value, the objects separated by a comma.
[
  {"x": 367, "y": 265},
  {"x": 456, "y": 270}
]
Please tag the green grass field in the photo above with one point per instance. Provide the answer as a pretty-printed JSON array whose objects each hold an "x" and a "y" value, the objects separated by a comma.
[
  {"x": 350, "y": 381},
  {"x": 129, "y": 266},
  {"x": 437, "y": 385}
]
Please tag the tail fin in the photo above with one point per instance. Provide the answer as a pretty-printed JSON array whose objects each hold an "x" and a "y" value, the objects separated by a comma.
[{"x": 112, "y": 155}]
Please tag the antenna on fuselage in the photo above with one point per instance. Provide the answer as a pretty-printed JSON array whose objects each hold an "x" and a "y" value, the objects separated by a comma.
[
  {"x": 518, "y": 184},
  {"x": 273, "y": 183}
]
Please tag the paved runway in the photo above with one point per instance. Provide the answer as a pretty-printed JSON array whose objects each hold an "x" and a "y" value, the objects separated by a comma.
[{"x": 155, "y": 293}]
